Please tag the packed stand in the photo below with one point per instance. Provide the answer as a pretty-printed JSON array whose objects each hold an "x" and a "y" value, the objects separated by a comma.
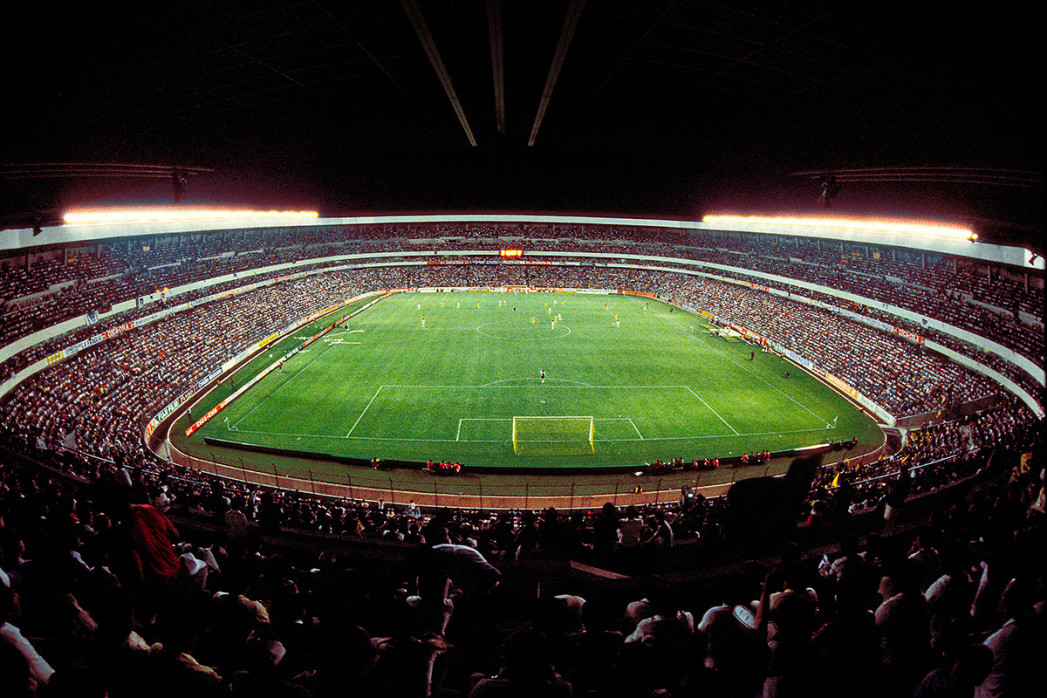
[
  {"x": 944, "y": 288},
  {"x": 101, "y": 594},
  {"x": 106, "y": 394}
]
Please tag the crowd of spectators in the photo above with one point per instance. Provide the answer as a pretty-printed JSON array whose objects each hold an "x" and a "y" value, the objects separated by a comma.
[
  {"x": 106, "y": 570},
  {"x": 101, "y": 398},
  {"x": 934, "y": 456},
  {"x": 949, "y": 289},
  {"x": 893, "y": 372},
  {"x": 997, "y": 325},
  {"x": 960, "y": 346},
  {"x": 97, "y": 403},
  {"x": 101, "y": 594}
]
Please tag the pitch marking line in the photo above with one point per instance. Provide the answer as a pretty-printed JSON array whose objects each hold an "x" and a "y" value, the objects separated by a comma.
[
  {"x": 236, "y": 424},
  {"x": 458, "y": 434},
  {"x": 718, "y": 416},
  {"x": 495, "y": 384},
  {"x": 703, "y": 437},
  {"x": 538, "y": 386},
  {"x": 479, "y": 419},
  {"x": 365, "y": 411},
  {"x": 357, "y": 438},
  {"x": 757, "y": 377}
]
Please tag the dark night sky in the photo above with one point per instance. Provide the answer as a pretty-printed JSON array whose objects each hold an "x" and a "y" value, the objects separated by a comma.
[{"x": 661, "y": 108}]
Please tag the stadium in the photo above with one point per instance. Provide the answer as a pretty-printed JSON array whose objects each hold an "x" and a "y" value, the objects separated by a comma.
[{"x": 361, "y": 393}]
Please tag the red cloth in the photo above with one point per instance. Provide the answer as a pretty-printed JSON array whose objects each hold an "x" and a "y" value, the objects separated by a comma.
[{"x": 153, "y": 535}]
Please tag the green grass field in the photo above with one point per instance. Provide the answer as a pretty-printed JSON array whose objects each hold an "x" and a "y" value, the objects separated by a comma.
[{"x": 655, "y": 380}]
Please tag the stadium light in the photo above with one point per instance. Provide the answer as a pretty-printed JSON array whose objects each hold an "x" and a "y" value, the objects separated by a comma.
[
  {"x": 890, "y": 226},
  {"x": 166, "y": 214}
]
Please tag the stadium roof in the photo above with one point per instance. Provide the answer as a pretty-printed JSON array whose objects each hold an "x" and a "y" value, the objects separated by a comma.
[{"x": 665, "y": 108}]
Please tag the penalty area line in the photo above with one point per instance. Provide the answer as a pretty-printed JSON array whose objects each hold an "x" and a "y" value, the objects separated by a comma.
[
  {"x": 712, "y": 410},
  {"x": 365, "y": 411},
  {"x": 759, "y": 378}
]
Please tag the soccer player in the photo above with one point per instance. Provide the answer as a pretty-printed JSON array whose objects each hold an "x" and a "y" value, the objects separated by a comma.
[
  {"x": 423, "y": 321},
  {"x": 752, "y": 355},
  {"x": 541, "y": 374}
]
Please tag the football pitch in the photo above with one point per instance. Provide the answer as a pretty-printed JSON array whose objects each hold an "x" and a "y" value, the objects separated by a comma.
[{"x": 458, "y": 377}]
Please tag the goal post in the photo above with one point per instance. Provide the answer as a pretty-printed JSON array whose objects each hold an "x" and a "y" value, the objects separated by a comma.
[{"x": 553, "y": 436}]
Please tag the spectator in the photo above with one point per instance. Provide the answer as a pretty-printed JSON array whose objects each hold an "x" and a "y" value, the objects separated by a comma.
[{"x": 19, "y": 660}]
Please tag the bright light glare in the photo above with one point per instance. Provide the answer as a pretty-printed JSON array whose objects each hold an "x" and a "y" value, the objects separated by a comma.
[
  {"x": 879, "y": 225},
  {"x": 166, "y": 214}
]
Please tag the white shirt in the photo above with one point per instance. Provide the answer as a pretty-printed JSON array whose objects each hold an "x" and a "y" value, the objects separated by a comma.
[
  {"x": 999, "y": 642},
  {"x": 39, "y": 669}
]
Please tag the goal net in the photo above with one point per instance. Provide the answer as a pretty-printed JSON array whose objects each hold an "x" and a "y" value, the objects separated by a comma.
[{"x": 552, "y": 436}]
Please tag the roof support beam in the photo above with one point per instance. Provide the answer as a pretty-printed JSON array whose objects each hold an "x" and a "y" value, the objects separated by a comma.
[
  {"x": 356, "y": 41},
  {"x": 494, "y": 30},
  {"x": 570, "y": 23},
  {"x": 414, "y": 13}
]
